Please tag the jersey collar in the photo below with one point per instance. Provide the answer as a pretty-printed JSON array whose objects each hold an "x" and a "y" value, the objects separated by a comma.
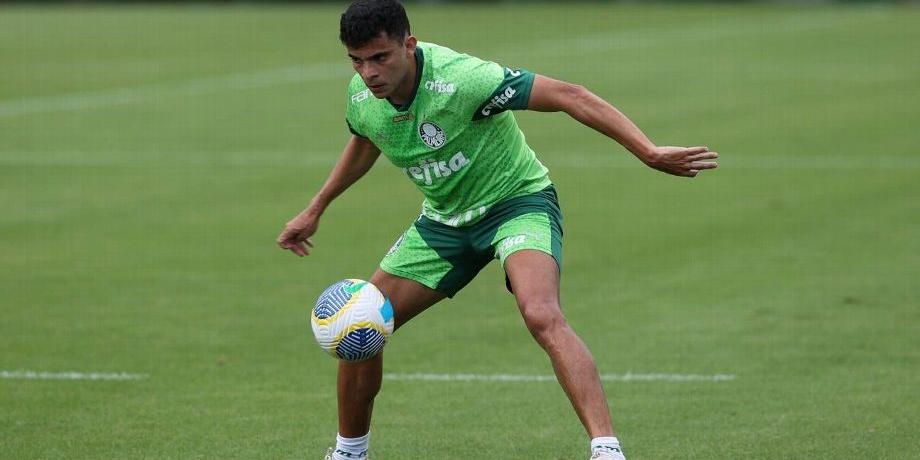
[{"x": 419, "y": 68}]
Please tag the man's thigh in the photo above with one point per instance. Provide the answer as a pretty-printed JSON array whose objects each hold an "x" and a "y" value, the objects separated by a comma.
[
  {"x": 534, "y": 278},
  {"x": 408, "y": 297}
]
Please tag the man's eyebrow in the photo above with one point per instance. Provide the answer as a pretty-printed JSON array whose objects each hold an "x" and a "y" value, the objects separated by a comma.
[{"x": 378, "y": 55}]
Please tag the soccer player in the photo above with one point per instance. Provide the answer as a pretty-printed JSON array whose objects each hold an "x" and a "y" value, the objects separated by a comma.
[{"x": 445, "y": 119}]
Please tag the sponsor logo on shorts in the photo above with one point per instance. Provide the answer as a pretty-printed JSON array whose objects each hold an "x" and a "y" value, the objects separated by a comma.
[
  {"x": 396, "y": 245},
  {"x": 511, "y": 242}
]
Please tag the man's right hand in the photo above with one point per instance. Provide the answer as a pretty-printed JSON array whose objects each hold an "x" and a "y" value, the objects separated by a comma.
[{"x": 296, "y": 234}]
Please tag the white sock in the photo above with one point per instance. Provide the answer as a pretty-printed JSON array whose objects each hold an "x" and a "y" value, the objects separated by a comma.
[
  {"x": 351, "y": 448},
  {"x": 607, "y": 444}
]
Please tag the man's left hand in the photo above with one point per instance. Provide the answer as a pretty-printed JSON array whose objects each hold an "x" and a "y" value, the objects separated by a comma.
[{"x": 681, "y": 161}]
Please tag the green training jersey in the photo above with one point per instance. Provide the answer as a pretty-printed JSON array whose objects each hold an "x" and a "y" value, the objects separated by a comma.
[{"x": 455, "y": 138}]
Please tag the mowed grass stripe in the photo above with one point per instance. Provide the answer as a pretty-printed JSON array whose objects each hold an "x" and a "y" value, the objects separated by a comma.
[
  {"x": 604, "y": 160},
  {"x": 634, "y": 40},
  {"x": 194, "y": 87}
]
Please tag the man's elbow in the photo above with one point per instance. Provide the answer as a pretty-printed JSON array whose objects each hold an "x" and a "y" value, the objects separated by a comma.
[{"x": 573, "y": 98}]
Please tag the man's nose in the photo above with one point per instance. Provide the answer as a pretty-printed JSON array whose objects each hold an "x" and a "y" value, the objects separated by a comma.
[{"x": 369, "y": 71}]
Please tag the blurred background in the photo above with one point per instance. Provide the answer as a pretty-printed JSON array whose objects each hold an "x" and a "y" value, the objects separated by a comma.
[{"x": 151, "y": 152}]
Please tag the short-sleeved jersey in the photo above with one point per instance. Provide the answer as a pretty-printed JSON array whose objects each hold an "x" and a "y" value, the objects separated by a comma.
[{"x": 456, "y": 138}]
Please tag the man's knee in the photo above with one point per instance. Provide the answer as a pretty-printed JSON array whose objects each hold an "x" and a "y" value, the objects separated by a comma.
[{"x": 544, "y": 319}]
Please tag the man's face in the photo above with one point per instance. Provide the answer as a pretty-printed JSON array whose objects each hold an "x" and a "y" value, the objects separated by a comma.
[{"x": 383, "y": 63}]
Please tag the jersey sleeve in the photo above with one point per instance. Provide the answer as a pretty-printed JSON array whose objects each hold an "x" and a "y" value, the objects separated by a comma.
[
  {"x": 353, "y": 117},
  {"x": 352, "y": 129},
  {"x": 511, "y": 93}
]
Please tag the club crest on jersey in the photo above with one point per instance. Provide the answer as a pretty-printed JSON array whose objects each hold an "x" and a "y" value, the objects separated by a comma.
[{"x": 432, "y": 135}]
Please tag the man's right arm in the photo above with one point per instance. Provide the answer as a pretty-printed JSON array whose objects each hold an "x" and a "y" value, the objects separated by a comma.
[{"x": 356, "y": 160}]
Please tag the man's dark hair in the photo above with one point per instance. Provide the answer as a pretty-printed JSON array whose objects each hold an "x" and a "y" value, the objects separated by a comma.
[{"x": 364, "y": 20}]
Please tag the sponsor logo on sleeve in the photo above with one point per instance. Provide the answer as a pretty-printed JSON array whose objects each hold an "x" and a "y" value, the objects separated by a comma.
[
  {"x": 360, "y": 97},
  {"x": 499, "y": 101}
]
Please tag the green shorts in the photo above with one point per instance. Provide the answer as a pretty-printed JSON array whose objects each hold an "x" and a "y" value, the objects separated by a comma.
[{"x": 447, "y": 258}]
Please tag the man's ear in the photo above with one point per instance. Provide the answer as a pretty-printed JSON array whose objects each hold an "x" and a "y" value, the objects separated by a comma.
[{"x": 411, "y": 42}]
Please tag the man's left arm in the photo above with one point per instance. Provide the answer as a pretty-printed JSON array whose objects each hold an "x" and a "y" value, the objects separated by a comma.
[{"x": 549, "y": 95}]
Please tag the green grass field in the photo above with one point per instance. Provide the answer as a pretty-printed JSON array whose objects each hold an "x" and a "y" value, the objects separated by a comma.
[{"x": 150, "y": 155}]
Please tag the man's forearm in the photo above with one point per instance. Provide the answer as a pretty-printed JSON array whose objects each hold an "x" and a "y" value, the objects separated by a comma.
[
  {"x": 342, "y": 177},
  {"x": 352, "y": 165},
  {"x": 598, "y": 114}
]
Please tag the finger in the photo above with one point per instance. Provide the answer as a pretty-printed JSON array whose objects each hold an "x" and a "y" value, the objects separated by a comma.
[
  {"x": 293, "y": 247},
  {"x": 285, "y": 236},
  {"x": 698, "y": 165},
  {"x": 299, "y": 249},
  {"x": 309, "y": 242},
  {"x": 692, "y": 173},
  {"x": 695, "y": 150},
  {"x": 703, "y": 156}
]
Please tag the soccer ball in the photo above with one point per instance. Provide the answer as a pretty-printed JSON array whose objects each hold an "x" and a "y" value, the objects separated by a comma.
[{"x": 352, "y": 320}]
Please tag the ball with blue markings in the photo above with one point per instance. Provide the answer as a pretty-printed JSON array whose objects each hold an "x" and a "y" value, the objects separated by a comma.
[{"x": 351, "y": 320}]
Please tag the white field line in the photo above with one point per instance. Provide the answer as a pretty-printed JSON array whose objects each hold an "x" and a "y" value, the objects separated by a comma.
[
  {"x": 196, "y": 86},
  {"x": 164, "y": 158},
  {"x": 599, "y": 160},
  {"x": 628, "y": 39},
  {"x": 627, "y": 377},
  {"x": 32, "y": 375}
]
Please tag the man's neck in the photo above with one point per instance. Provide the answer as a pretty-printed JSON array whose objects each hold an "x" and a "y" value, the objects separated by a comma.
[{"x": 404, "y": 92}]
